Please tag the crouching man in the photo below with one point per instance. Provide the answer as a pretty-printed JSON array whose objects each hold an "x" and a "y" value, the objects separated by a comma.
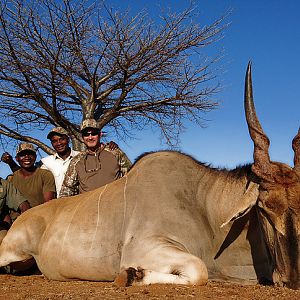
[{"x": 12, "y": 199}]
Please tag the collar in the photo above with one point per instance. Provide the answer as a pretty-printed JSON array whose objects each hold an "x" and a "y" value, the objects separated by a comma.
[
  {"x": 98, "y": 150},
  {"x": 72, "y": 154}
]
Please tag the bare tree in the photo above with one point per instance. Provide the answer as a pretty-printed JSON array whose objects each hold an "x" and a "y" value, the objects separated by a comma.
[{"x": 65, "y": 61}]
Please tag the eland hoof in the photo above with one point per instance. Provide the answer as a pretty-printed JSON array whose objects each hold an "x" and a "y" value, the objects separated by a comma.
[{"x": 128, "y": 276}]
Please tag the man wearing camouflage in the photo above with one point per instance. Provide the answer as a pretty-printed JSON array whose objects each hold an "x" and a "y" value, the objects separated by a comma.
[
  {"x": 12, "y": 199},
  {"x": 96, "y": 166}
]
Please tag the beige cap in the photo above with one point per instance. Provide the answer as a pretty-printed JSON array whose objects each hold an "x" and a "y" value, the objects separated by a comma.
[
  {"x": 25, "y": 146},
  {"x": 89, "y": 123},
  {"x": 57, "y": 131}
]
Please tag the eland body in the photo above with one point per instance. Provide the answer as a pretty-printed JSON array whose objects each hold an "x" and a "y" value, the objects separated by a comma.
[{"x": 174, "y": 220}]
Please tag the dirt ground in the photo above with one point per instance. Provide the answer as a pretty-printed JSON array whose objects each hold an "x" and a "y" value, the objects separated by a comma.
[{"x": 37, "y": 287}]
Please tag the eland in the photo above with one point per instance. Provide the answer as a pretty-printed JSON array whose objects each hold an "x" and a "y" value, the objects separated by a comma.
[{"x": 173, "y": 220}]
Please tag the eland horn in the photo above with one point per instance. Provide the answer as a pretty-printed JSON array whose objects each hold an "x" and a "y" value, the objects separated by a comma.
[
  {"x": 296, "y": 148},
  {"x": 262, "y": 164}
]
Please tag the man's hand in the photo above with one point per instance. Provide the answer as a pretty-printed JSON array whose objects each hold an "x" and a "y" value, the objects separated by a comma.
[
  {"x": 113, "y": 146},
  {"x": 24, "y": 206},
  {"x": 6, "y": 158}
]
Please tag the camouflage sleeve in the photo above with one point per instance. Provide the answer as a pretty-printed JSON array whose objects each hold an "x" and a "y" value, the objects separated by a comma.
[
  {"x": 123, "y": 161},
  {"x": 70, "y": 186},
  {"x": 10, "y": 195}
]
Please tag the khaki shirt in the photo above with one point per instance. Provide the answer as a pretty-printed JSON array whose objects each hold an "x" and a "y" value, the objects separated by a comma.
[
  {"x": 34, "y": 187},
  {"x": 87, "y": 172},
  {"x": 10, "y": 196}
]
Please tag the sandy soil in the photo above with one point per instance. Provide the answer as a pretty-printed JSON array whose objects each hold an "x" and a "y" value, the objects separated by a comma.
[{"x": 37, "y": 287}]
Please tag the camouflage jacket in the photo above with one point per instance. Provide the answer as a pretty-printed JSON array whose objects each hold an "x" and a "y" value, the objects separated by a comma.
[
  {"x": 70, "y": 186},
  {"x": 10, "y": 196}
]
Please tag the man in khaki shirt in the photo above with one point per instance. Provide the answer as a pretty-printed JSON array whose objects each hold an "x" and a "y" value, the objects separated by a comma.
[
  {"x": 96, "y": 166},
  {"x": 36, "y": 184}
]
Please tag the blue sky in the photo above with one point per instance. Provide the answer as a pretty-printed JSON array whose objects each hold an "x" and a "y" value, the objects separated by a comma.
[{"x": 268, "y": 33}]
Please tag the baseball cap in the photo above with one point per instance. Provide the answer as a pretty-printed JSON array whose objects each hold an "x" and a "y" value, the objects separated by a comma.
[
  {"x": 25, "y": 146},
  {"x": 57, "y": 131},
  {"x": 89, "y": 123}
]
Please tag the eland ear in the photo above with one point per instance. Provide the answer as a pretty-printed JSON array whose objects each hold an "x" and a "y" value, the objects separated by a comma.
[
  {"x": 244, "y": 205},
  {"x": 239, "y": 214}
]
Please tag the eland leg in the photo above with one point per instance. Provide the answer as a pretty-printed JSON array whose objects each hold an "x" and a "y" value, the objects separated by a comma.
[{"x": 169, "y": 266}]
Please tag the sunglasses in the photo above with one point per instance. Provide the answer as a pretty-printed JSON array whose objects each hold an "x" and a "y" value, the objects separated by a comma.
[
  {"x": 26, "y": 153},
  {"x": 90, "y": 132}
]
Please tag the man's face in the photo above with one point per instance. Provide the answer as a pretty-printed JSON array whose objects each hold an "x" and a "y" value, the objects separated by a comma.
[
  {"x": 91, "y": 138},
  {"x": 60, "y": 143},
  {"x": 26, "y": 159}
]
